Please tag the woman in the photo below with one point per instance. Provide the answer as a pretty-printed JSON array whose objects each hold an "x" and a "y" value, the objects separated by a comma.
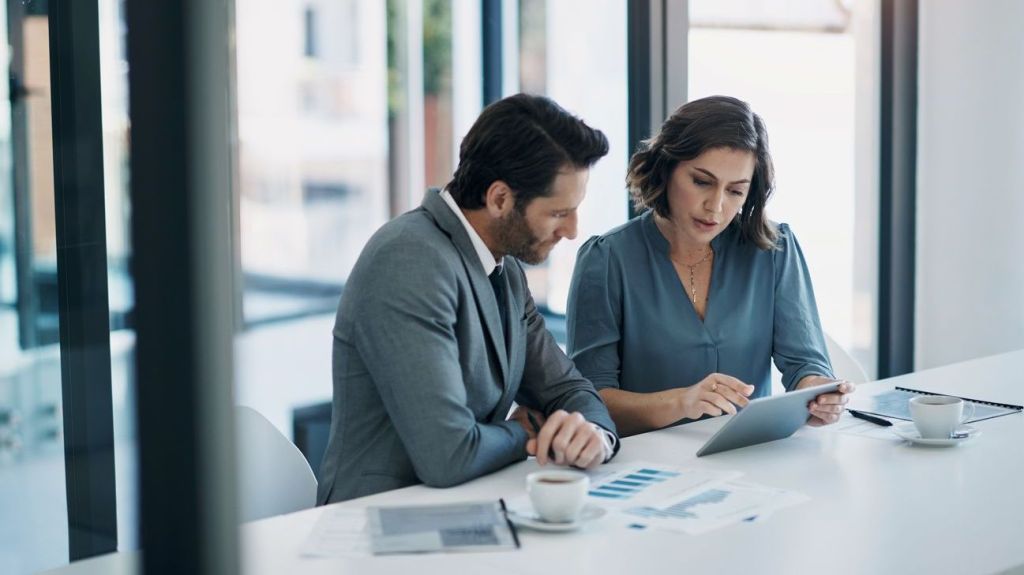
[{"x": 677, "y": 314}]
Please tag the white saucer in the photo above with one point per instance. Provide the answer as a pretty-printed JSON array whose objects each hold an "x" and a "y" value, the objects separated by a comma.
[
  {"x": 909, "y": 432},
  {"x": 528, "y": 518}
]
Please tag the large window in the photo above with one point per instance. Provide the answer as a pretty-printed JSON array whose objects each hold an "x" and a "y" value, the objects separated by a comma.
[
  {"x": 346, "y": 111},
  {"x": 312, "y": 147},
  {"x": 574, "y": 51},
  {"x": 808, "y": 72},
  {"x": 323, "y": 88}
]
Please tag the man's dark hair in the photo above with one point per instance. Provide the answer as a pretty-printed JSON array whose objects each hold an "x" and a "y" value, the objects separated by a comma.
[
  {"x": 694, "y": 128},
  {"x": 524, "y": 141}
]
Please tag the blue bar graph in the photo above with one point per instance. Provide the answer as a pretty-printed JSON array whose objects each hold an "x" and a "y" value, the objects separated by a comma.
[
  {"x": 608, "y": 495},
  {"x": 627, "y": 486}
]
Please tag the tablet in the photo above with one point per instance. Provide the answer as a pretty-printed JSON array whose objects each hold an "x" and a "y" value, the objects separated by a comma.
[{"x": 766, "y": 419}]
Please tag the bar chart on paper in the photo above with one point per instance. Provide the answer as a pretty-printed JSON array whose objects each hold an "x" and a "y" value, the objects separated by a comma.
[
  {"x": 618, "y": 486},
  {"x": 684, "y": 509},
  {"x": 627, "y": 485},
  {"x": 717, "y": 506}
]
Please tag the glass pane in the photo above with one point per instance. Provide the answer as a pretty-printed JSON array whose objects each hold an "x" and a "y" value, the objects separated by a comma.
[
  {"x": 438, "y": 146},
  {"x": 574, "y": 51},
  {"x": 33, "y": 500},
  {"x": 8, "y": 271},
  {"x": 799, "y": 72},
  {"x": 114, "y": 92},
  {"x": 313, "y": 132}
]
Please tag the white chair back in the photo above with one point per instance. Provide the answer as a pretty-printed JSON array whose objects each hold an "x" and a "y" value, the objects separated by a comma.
[
  {"x": 844, "y": 366},
  {"x": 273, "y": 475}
]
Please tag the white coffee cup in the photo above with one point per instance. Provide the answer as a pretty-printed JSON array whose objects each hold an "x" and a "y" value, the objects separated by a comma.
[
  {"x": 937, "y": 416},
  {"x": 557, "y": 494}
]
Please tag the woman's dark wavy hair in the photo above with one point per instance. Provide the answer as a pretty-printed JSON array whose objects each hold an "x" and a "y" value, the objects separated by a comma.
[
  {"x": 694, "y": 128},
  {"x": 524, "y": 141}
]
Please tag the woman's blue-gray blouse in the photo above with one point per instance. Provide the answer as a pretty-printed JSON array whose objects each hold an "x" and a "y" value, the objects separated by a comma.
[{"x": 632, "y": 326}]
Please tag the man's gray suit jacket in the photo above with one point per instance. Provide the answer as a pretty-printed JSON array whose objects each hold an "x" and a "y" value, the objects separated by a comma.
[{"x": 423, "y": 373}]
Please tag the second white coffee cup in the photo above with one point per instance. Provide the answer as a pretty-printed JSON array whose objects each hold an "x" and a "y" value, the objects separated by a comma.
[
  {"x": 557, "y": 495},
  {"x": 936, "y": 416}
]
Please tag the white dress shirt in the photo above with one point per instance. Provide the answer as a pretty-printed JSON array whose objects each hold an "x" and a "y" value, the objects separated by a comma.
[{"x": 488, "y": 264}]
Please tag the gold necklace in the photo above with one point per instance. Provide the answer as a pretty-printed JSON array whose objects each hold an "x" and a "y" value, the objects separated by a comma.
[{"x": 693, "y": 284}]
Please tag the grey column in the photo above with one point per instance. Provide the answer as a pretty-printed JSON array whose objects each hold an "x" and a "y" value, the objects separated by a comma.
[{"x": 179, "y": 54}]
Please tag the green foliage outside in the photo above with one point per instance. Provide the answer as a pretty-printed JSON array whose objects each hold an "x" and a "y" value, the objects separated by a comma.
[{"x": 437, "y": 49}]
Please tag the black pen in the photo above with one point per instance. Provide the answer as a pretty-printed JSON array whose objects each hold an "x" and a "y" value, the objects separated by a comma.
[
  {"x": 533, "y": 422},
  {"x": 511, "y": 525},
  {"x": 871, "y": 418}
]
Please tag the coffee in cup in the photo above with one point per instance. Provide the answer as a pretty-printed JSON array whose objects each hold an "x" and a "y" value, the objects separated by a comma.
[
  {"x": 557, "y": 495},
  {"x": 937, "y": 416}
]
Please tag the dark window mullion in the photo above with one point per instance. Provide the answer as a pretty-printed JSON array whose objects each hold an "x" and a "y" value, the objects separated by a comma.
[
  {"x": 491, "y": 39},
  {"x": 898, "y": 183},
  {"x": 657, "y": 37},
  {"x": 82, "y": 277},
  {"x": 638, "y": 66}
]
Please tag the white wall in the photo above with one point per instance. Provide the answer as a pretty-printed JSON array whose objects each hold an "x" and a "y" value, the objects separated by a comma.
[{"x": 970, "y": 181}]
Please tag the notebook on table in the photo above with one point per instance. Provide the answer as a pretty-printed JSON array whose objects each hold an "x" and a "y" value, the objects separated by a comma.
[{"x": 895, "y": 404}]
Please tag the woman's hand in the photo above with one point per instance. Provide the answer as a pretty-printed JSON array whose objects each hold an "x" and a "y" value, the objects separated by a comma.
[
  {"x": 827, "y": 407},
  {"x": 714, "y": 395}
]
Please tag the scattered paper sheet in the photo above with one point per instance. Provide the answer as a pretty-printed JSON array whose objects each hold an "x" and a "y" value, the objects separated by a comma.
[
  {"x": 639, "y": 495},
  {"x": 715, "y": 507},
  {"x": 339, "y": 532},
  {"x": 850, "y": 425}
]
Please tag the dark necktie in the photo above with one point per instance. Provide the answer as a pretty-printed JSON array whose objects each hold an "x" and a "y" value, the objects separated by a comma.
[{"x": 497, "y": 278}]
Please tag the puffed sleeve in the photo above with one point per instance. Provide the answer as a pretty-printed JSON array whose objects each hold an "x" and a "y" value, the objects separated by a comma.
[
  {"x": 594, "y": 315},
  {"x": 798, "y": 344}
]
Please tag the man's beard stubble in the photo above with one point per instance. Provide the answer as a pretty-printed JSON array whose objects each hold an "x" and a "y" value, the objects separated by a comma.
[{"x": 517, "y": 240}]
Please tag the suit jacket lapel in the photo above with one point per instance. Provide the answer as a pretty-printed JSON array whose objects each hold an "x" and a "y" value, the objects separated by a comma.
[{"x": 486, "y": 304}]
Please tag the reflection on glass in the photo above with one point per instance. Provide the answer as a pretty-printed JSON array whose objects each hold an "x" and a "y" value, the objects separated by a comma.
[
  {"x": 8, "y": 277},
  {"x": 114, "y": 94},
  {"x": 33, "y": 533},
  {"x": 34, "y": 185}
]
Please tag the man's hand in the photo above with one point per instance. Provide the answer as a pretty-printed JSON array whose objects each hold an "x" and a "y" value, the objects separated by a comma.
[
  {"x": 827, "y": 407},
  {"x": 567, "y": 439}
]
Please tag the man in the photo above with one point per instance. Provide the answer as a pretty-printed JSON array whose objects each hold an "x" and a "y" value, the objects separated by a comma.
[{"x": 437, "y": 333}]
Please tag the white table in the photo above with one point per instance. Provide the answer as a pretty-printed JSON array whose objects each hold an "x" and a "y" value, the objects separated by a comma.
[{"x": 876, "y": 506}]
